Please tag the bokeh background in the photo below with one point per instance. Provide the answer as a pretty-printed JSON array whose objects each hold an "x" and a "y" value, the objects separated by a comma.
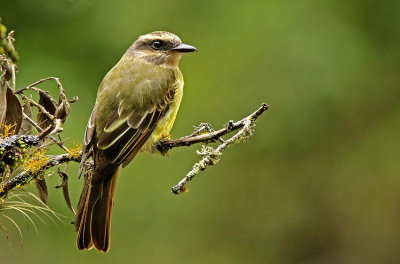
[{"x": 318, "y": 182}]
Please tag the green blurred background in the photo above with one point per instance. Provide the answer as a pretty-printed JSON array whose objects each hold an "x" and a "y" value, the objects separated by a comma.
[{"x": 317, "y": 183}]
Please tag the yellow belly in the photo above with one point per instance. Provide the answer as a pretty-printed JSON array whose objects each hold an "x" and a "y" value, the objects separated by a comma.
[{"x": 165, "y": 124}]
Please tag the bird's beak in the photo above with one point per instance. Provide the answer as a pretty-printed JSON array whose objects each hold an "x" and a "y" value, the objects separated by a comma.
[{"x": 184, "y": 48}]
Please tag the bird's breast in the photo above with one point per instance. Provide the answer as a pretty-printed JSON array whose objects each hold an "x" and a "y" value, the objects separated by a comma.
[{"x": 165, "y": 124}]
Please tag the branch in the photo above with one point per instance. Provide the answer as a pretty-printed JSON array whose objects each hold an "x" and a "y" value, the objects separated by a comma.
[
  {"x": 12, "y": 149},
  {"x": 44, "y": 133},
  {"x": 203, "y": 134},
  {"x": 210, "y": 155},
  {"x": 198, "y": 137},
  {"x": 26, "y": 176}
]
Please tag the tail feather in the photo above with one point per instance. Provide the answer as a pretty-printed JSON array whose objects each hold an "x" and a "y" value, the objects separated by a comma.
[
  {"x": 101, "y": 216},
  {"x": 93, "y": 218}
]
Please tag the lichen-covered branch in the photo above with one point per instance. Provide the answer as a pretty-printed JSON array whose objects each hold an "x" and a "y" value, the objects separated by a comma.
[
  {"x": 27, "y": 175},
  {"x": 210, "y": 155},
  {"x": 198, "y": 136},
  {"x": 12, "y": 149},
  {"x": 203, "y": 134}
]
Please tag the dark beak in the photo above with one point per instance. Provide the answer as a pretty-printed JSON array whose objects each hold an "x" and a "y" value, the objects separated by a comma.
[{"x": 184, "y": 48}]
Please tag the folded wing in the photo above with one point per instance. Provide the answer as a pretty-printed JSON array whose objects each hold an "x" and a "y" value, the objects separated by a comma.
[{"x": 125, "y": 132}]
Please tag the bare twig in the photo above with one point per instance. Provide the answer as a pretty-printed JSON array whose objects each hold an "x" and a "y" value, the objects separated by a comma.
[
  {"x": 44, "y": 133},
  {"x": 62, "y": 105},
  {"x": 30, "y": 86},
  {"x": 41, "y": 108}
]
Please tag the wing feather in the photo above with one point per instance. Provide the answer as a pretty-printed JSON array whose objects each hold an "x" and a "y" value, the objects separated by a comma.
[
  {"x": 124, "y": 134},
  {"x": 137, "y": 145},
  {"x": 135, "y": 120},
  {"x": 90, "y": 127},
  {"x": 88, "y": 139}
]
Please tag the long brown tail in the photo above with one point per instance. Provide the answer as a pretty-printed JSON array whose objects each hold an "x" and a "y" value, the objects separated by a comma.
[{"x": 93, "y": 217}]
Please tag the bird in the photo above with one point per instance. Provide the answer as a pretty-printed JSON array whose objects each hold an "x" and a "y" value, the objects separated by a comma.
[{"x": 136, "y": 106}]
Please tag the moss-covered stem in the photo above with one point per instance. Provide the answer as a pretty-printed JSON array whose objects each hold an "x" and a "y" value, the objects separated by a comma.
[{"x": 25, "y": 177}]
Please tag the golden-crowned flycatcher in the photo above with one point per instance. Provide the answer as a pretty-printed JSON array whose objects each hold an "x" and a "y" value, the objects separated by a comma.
[{"x": 136, "y": 105}]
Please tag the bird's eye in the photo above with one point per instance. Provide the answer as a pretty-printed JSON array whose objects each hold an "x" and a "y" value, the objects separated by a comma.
[{"x": 157, "y": 44}]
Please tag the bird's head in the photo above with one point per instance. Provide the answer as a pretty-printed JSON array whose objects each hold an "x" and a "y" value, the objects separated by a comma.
[{"x": 161, "y": 48}]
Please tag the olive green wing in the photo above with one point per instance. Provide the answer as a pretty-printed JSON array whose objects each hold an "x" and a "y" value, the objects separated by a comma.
[{"x": 126, "y": 132}]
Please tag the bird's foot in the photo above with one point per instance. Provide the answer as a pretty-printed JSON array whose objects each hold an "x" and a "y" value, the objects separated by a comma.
[{"x": 160, "y": 147}]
